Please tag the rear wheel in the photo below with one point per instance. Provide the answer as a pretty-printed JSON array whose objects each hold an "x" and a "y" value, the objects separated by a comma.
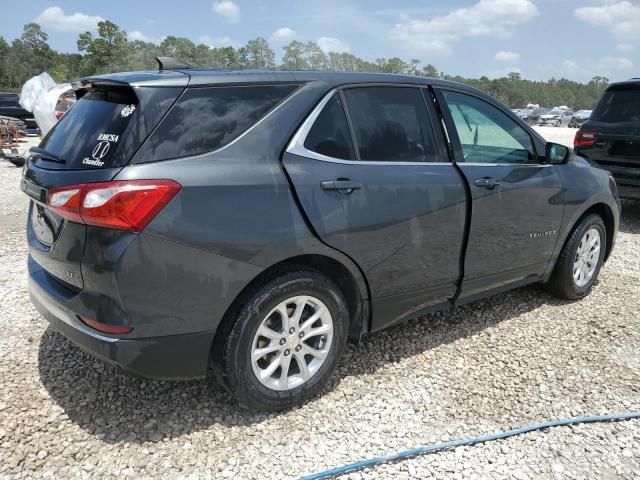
[
  {"x": 579, "y": 263},
  {"x": 285, "y": 342}
]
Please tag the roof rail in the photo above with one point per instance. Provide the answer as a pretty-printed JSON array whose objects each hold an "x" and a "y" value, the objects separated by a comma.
[{"x": 171, "y": 63}]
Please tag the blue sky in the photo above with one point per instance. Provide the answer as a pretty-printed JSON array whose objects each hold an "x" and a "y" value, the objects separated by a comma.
[{"x": 575, "y": 39}]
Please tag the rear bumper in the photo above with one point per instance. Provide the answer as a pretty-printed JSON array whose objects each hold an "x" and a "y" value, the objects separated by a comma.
[
  {"x": 628, "y": 180},
  {"x": 171, "y": 357}
]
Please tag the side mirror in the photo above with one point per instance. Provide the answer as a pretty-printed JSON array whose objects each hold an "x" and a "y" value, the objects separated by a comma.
[{"x": 556, "y": 154}]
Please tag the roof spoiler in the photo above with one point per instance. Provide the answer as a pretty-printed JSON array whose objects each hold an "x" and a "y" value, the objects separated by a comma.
[{"x": 171, "y": 63}]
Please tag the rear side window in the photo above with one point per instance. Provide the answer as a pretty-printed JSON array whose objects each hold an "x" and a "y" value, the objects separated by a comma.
[
  {"x": 208, "y": 118},
  {"x": 330, "y": 133},
  {"x": 91, "y": 132},
  {"x": 618, "y": 105},
  {"x": 391, "y": 124}
]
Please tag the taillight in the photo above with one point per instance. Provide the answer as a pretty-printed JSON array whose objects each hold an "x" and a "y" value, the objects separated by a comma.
[
  {"x": 59, "y": 115},
  {"x": 123, "y": 204},
  {"x": 104, "y": 328},
  {"x": 585, "y": 138}
]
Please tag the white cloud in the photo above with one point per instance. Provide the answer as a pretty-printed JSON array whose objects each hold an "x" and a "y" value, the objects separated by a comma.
[
  {"x": 570, "y": 66},
  {"x": 283, "y": 34},
  {"x": 505, "y": 56},
  {"x": 216, "y": 41},
  {"x": 613, "y": 63},
  {"x": 227, "y": 9},
  {"x": 625, "y": 48},
  {"x": 496, "y": 18},
  {"x": 622, "y": 18},
  {"x": 330, "y": 44},
  {"x": 55, "y": 19}
]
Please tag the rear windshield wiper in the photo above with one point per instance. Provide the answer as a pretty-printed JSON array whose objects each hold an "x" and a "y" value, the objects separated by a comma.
[{"x": 43, "y": 154}]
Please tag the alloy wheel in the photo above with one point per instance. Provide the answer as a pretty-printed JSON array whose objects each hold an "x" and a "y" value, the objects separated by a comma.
[
  {"x": 586, "y": 258},
  {"x": 292, "y": 343}
]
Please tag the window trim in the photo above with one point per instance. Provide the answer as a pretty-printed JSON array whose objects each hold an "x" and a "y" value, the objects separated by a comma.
[
  {"x": 455, "y": 139},
  {"x": 296, "y": 145}
]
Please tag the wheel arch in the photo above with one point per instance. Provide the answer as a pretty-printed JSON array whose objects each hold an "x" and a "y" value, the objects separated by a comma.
[
  {"x": 603, "y": 211},
  {"x": 348, "y": 282}
]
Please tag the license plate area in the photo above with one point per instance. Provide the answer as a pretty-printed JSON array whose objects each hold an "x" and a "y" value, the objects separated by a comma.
[{"x": 45, "y": 224}]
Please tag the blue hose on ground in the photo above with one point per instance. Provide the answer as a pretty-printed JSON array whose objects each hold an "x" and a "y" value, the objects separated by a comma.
[{"x": 437, "y": 447}]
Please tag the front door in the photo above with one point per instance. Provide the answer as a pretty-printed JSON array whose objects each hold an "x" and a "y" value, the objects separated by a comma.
[
  {"x": 369, "y": 172},
  {"x": 516, "y": 209}
]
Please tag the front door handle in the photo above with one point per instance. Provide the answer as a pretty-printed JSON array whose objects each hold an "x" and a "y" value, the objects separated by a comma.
[
  {"x": 486, "y": 182},
  {"x": 341, "y": 185}
]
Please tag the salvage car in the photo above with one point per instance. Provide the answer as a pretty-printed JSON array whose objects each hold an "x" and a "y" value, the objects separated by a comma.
[
  {"x": 255, "y": 222},
  {"x": 532, "y": 115},
  {"x": 579, "y": 118},
  {"x": 611, "y": 136},
  {"x": 9, "y": 107},
  {"x": 556, "y": 117}
]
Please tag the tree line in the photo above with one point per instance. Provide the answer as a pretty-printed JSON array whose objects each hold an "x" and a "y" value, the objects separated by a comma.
[{"x": 109, "y": 51}]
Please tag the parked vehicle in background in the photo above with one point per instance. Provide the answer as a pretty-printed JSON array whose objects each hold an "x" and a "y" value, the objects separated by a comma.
[
  {"x": 65, "y": 102},
  {"x": 9, "y": 107},
  {"x": 579, "y": 118},
  {"x": 255, "y": 221},
  {"x": 532, "y": 115},
  {"x": 611, "y": 136},
  {"x": 556, "y": 117}
]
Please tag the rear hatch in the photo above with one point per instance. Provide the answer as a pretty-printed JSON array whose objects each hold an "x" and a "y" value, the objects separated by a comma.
[
  {"x": 94, "y": 140},
  {"x": 611, "y": 137}
]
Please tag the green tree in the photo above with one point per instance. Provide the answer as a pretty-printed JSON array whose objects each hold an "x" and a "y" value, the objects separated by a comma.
[
  {"x": 294, "y": 56},
  {"x": 108, "y": 52}
]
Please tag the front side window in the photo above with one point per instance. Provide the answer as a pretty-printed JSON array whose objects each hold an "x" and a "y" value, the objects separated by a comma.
[
  {"x": 391, "y": 124},
  {"x": 330, "y": 135},
  {"x": 486, "y": 134},
  {"x": 207, "y": 118}
]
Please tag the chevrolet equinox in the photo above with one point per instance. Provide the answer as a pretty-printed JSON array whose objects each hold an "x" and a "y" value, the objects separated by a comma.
[{"x": 254, "y": 222}]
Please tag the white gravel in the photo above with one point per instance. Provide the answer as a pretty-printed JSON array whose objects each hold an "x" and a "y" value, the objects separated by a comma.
[{"x": 517, "y": 358}]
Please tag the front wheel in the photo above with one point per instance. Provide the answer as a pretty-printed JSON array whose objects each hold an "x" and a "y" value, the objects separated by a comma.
[
  {"x": 285, "y": 342},
  {"x": 580, "y": 260}
]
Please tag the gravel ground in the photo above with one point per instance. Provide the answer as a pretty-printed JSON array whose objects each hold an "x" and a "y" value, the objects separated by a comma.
[{"x": 500, "y": 363}]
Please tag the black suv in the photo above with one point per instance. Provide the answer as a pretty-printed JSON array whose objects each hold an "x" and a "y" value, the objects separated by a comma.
[
  {"x": 611, "y": 137},
  {"x": 256, "y": 221}
]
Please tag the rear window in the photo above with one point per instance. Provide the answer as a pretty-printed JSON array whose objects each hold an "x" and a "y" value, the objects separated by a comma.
[
  {"x": 207, "y": 118},
  {"x": 90, "y": 133},
  {"x": 618, "y": 105}
]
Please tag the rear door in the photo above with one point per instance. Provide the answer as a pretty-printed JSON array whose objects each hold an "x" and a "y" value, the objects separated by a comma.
[
  {"x": 517, "y": 206},
  {"x": 90, "y": 143},
  {"x": 372, "y": 177}
]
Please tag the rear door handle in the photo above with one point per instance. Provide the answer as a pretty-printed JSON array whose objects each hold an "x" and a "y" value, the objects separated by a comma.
[
  {"x": 486, "y": 182},
  {"x": 341, "y": 185}
]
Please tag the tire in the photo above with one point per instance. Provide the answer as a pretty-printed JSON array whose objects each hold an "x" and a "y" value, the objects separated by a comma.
[
  {"x": 563, "y": 283},
  {"x": 232, "y": 354}
]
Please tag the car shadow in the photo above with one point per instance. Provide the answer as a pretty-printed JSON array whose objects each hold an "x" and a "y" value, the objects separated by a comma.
[
  {"x": 630, "y": 216},
  {"x": 117, "y": 407}
]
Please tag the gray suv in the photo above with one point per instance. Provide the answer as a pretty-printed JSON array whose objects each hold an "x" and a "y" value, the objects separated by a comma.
[{"x": 254, "y": 222}]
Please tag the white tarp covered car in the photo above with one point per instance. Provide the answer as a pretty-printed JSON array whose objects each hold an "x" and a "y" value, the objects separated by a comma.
[{"x": 40, "y": 95}]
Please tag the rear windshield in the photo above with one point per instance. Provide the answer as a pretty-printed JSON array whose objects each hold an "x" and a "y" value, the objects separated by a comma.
[
  {"x": 90, "y": 133},
  {"x": 207, "y": 118},
  {"x": 618, "y": 105}
]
